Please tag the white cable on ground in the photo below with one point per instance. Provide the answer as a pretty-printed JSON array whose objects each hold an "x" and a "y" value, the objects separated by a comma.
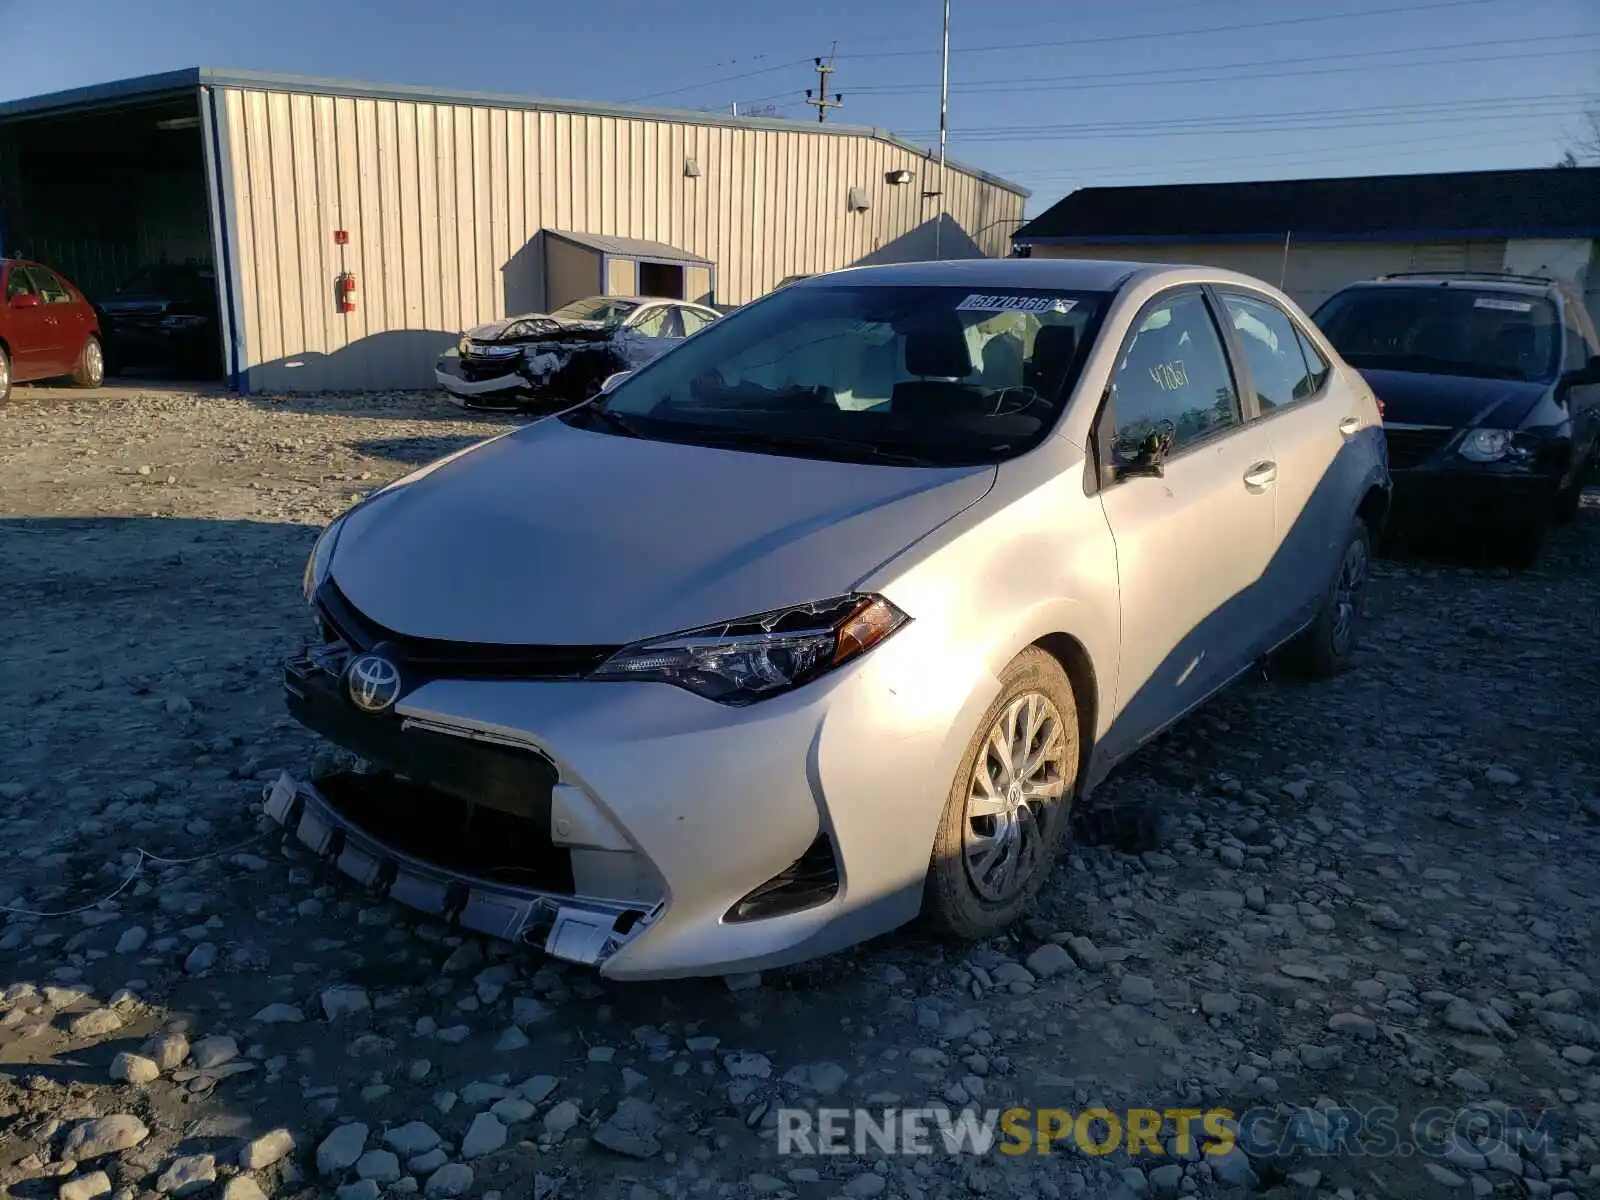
[{"x": 144, "y": 857}]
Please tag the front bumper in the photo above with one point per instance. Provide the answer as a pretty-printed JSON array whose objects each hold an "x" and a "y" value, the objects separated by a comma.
[
  {"x": 1484, "y": 496},
  {"x": 495, "y": 391},
  {"x": 671, "y": 809}
]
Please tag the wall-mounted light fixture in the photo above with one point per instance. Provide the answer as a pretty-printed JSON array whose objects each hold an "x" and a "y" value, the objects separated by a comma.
[{"x": 900, "y": 176}]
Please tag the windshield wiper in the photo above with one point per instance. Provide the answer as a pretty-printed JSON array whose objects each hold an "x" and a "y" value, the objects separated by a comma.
[
  {"x": 615, "y": 421},
  {"x": 762, "y": 439}
]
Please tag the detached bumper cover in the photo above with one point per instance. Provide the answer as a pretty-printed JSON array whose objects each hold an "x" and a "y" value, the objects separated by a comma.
[
  {"x": 1488, "y": 495},
  {"x": 453, "y": 377},
  {"x": 576, "y": 929}
]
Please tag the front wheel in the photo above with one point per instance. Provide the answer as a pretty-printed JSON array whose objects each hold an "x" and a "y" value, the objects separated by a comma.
[
  {"x": 91, "y": 369},
  {"x": 5, "y": 375},
  {"x": 1009, "y": 804},
  {"x": 1328, "y": 646}
]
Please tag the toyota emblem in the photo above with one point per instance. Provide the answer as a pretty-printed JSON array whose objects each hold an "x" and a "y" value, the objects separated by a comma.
[{"x": 373, "y": 683}]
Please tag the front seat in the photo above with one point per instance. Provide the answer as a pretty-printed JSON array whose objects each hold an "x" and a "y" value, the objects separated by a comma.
[
  {"x": 1053, "y": 349},
  {"x": 936, "y": 350}
]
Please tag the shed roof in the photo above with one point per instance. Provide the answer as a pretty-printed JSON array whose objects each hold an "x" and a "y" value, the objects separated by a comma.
[
  {"x": 1541, "y": 202},
  {"x": 145, "y": 87},
  {"x": 628, "y": 247}
]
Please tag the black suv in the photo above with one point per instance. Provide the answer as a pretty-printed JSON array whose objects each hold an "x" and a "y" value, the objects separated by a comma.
[{"x": 1490, "y": 387}]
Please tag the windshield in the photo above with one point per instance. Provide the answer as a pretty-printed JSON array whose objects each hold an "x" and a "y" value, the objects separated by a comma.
[
  {"x": 596, "y": 308},
  {"x": 1445, "y": 330},
  {"x": 928, "y": 376},
  {"x": 170, "y": 281}
]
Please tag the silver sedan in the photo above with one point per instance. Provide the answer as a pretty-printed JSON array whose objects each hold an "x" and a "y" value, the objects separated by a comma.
[{"x": 825, "y": 618}]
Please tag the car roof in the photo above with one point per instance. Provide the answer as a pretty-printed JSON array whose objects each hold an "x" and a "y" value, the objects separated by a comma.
[
  {"x": 1065, "y": 274},
  {"x": 1523, "y": 286}
]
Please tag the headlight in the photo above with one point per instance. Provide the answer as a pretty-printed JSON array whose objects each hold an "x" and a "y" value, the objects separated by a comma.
[
  {"x": 1496, "y": 445},
  {"x": 740, "y": 662},
  {"x": 318, "y": 560}
]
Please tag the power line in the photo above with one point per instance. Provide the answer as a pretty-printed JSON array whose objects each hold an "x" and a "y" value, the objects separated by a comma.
[
  {"x": 1163, "y": 78},
  {"x": 1277, "y": 22},
  {"x": 690, "y": 87}
]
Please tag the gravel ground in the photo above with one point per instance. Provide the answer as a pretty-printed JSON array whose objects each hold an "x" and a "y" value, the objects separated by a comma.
[{"x": 1375, "y": 892}]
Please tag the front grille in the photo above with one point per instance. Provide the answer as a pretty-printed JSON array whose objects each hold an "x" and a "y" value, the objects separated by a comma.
[
  {"x": 441, "y": 658},
  {"x": 1409, "y": 447}
]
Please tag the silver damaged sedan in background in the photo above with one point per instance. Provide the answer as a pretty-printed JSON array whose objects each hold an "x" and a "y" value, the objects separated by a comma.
[{"x": 825, "y": 618}]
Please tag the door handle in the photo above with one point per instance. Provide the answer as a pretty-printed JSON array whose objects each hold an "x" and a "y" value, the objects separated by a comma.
[
  {"x": 1350, "y": 425},
  {"x": 1261, "y": 476}
]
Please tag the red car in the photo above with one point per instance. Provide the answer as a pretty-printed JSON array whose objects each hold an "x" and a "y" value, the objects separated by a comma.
[{"x": 47, "y": 329}]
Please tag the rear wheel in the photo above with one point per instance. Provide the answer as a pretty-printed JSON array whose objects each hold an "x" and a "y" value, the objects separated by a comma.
[
  {"x": 91, "y": 368},
  {"x": 1009, "y": 804},
  {"x": 5, "y": 375},
  {"x": 1329, "y": 645}
]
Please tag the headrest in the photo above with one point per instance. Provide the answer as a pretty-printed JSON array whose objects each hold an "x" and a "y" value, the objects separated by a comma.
[{"x": 937, "y": 348}]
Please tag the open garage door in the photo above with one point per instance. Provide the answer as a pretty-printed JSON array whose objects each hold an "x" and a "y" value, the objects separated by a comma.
[{"x": 115, "y": 197}]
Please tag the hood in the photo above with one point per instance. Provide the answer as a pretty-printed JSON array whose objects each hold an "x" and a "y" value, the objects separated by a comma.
[
  {"x": 1459, "y": 401},
  {"x": 561, "y": 536},
  {"x": 494, "y": 330}
]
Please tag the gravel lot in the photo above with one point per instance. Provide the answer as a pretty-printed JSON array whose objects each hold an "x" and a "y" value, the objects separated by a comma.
[{"x": 1380, "y": 891}]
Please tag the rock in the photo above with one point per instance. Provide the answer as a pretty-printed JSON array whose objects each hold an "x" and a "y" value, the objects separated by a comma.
[
  {"x": 411, "y": 1139},
  {"x": 1136, "y": 989},
  {"x": 1085, "y": 953},
  {"x": 1444, "y": 1176},
  {"x": 1049, "y": 960},
  {"x": 631, "y": 1129},
  {"x": 97, "y": 1024},
  {"x": 824, "y": 1078},
  {"x": 242, "y": 1187},
  {"x": 361, "y": 1189},
  {"x": 526, "y": 1010},
  {"x": 513, "y": 1109},
  {"x": 743, "y": 983},
  {"x": 134, "y": 1068},
  {"x": 380, "y": 1166},
  {"x": 166, "y": 1050},
  {"x": 867, "y": 1184},
  {"x": 1470, "y": 1083},
  {"x": 452, "y": 1179},
  {"x": 132, "y": 940},
  {"x": 187, "y": 1175},
  {"x": 344, "y": 1000},
  {"x": 1231, "y": 857},
  {"x": 1462, "y": 1017},
  {"x": 213, "y": 1052},
  {"x": 341, "y": 1148},
  {"x": 1232, "y": 1168},
  {"x": 748, "y": 1066},
  {"x": 561, "y": 1117},
  {"x": 511, "y": 1040},
  {"x": 484, "y": 1136},
  {"x": 279, "y": 1014},
  {"x": 426, "y": 1164},
  {"x": 1167, "y": 1179},
  {"x": 85, "y": 1187},
  {"x": 1320, "y": 1058},
  {"x": 201, "y": 959},
  {"x": 539, "y": 1088},
  {"x": 1218, "y": 1004},
  {"x": 1354, "y": 1024},
  {"x": 1385, "y": 917},
  {"x": 260, "y": 1153},
  {"x": 1502, "y": 777},
  {"x": 103, "y": 1135}
]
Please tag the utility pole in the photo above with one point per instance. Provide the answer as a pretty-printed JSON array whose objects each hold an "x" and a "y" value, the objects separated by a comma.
[
  {"x": 944, "y": 110},
  {"x": 820, "y": 98}
]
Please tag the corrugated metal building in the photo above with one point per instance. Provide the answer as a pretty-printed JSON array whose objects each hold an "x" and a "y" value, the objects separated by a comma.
[{"x": 448, "y": 210}]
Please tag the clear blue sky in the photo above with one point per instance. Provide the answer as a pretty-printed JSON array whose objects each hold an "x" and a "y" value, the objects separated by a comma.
[{"x": 1054, "y": 95}]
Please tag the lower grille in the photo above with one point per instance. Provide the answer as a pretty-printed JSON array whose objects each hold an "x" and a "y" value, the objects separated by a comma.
[{"x": 1409, "y": 447}]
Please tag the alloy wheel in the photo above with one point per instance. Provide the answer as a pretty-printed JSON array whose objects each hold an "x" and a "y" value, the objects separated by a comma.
[
  {"x": 1349, "y": 594},
  {"x": 1014, "y": 797},
  {"x": 94, "y": 364}
]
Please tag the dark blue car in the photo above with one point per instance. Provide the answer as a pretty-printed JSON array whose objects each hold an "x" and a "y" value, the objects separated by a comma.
[{"x": 1490, "y": 386}]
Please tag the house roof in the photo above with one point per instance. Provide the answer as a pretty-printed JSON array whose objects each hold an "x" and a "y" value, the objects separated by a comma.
[
  {"x": 627, "y": 247},
  {"x": 1542, "y": 202},
  {"x": 168, "y": 83}
]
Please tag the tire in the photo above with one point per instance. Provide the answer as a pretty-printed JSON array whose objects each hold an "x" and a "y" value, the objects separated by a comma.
[
  {"x": 91, "y": 369},
  {"x": 1328, "y": 646},
  {"x": 986, "y": 869},
  {"x": 5, "y": 375}
]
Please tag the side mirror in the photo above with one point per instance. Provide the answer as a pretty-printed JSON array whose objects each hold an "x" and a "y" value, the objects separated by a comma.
[
  {"x": 24, "y": 300},
  {"x": 1150, "y": 460},
  {"x": 611, "y": 381},
  {"x": 1586, "y": 374}
]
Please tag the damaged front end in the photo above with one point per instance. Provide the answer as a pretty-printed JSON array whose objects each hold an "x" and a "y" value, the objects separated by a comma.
[
  {"x": 528, "y": 360},
  {"x": 476, "y": 830}
]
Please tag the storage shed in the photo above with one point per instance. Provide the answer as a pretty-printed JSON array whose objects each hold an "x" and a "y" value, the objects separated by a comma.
[{"x": 355, "y": 229}]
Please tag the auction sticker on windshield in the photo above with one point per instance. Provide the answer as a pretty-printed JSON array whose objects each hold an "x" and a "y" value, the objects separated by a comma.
[
  {"x": 1502, "y": 305},
  {"x": 1034, "y": 304}
]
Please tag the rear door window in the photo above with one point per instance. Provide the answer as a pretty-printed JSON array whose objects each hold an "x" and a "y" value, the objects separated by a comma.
[
  {"x": 1272, "y": 347},
  {"x": 51, "y": 289}
]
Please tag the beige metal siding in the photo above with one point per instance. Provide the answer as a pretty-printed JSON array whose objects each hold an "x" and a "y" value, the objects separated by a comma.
[
  {"x": 622, "y": 277},
  {"x": 697, "y": 284},
  {"x": 1311, "y": 271},
  {"x": 444, "y": 203},
  {"x": 571, "y": 272}
]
